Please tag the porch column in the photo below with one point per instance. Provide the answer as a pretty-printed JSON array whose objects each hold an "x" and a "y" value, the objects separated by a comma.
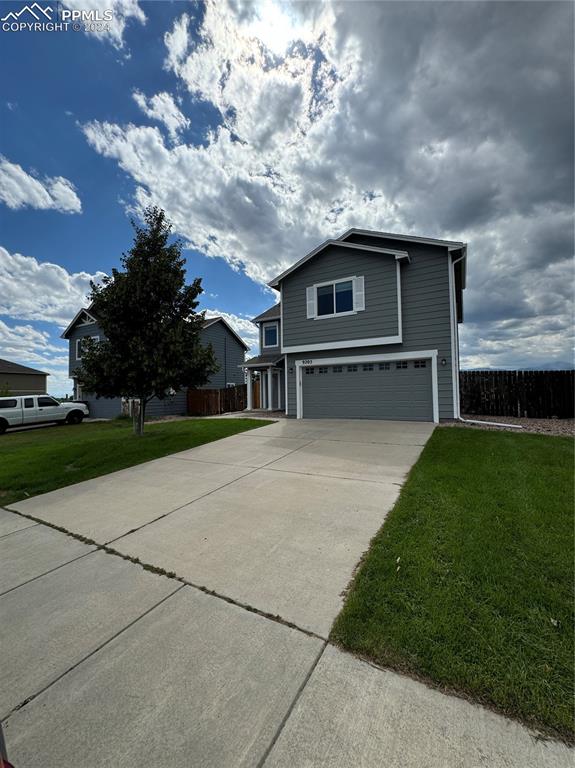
[
  {"x": 250, "y": 394},
  {"x": 279, "y": 378},
  {"x": 270, "y": 384},
  {"x": 263, "y": 389}
]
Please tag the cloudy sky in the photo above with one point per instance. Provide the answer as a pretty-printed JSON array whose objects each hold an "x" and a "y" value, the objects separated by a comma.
[{"x": 264, "y": 128}]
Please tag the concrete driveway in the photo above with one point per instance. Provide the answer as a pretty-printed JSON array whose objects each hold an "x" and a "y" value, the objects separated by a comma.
[{"x": 214, "y": 653}]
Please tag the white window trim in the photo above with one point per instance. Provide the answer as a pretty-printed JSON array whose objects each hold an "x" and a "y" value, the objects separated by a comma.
[
  {"x": 270, "y": 346},
  {"x": 79, "y": 346},
  {"x": 87, "y": 320},
  {"x": 426, "y": 354},
  {"x": 353, "y": 311},
  {"x": 376, "y": 341}
]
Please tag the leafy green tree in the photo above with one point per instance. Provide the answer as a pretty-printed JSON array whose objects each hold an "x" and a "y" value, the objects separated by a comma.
[{"x": 148, "y": 315}]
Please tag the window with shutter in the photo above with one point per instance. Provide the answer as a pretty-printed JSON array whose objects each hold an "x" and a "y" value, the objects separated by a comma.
[
  {"x": 310, "y": 300},
  {"x": 340, "y": 297}
]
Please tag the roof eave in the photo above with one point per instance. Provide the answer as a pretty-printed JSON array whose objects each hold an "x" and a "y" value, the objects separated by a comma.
[
  {"x": 229, "y": 327},
  {"x": 72, "y": 323},
  {"x": 399, "y": 254},
  {"x": 407, "y": 238}
]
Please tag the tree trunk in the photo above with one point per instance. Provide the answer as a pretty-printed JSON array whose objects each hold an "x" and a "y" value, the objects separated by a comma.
[
  {"x": 142, "y": 414},
  {"x": 139, "y": 413}
]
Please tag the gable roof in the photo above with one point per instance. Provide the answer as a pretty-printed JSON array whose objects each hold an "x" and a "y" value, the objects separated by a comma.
[
  {"x": 262, "y": 361},
  {"x": 207, "y": 322},
  {"x": 342, "y": 242},
  {"x": 272, "y": 313},
  {"x": 75, "y": 319},
  {"x": 451, "y": 245},
  {"x": 7, "y": 366},
  {"x": 212, "y": 320}
]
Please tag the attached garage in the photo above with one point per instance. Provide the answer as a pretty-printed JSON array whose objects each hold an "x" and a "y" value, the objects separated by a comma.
[{"x": 401, "y": 388}]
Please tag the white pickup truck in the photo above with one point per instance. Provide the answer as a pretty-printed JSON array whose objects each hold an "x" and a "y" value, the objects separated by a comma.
[{"x": 21, "y": 410}]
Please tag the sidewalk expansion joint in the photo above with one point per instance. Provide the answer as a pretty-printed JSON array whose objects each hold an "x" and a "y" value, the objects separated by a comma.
[
  {"x": 89, "y": 655},
  {"x": 167, "y": 574},
  {"x": 291, "y": 707}
]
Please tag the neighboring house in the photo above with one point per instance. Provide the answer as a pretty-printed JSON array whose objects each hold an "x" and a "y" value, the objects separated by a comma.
[
  {"x": 229, "y": 350},
  {"x": 20, "y": 380},
  {"x": 366, "y": 327}
]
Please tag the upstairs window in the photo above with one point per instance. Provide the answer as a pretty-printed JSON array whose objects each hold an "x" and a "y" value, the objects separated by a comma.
[
  {"x": 270, "y": 335},
  {"x": 335, "y": 298},
  {"x": 80, "y": 344},
  {"x": 338, "y": 297}
]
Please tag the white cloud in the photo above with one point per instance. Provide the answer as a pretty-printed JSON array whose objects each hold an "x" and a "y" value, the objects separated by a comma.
[
  {"x": 164, "y": 109},
  {"x": 241, "y": 325},
  {"x": 19, "y": 189},
  {"x": 30, "y": 346},
  {"x": 112, "y": 31},
  {"x": 37, "y": 290},
  {"x": 392, "y": 116}
]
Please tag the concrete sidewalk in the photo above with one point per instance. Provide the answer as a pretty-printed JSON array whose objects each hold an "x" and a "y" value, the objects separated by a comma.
[{"x": 108, "y": 661}]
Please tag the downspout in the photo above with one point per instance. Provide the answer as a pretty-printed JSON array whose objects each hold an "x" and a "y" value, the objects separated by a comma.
[
  {"x": 455, "y": 331},
  {"x": 489, "y": 423},
  {"x": 459, "y": 416}
]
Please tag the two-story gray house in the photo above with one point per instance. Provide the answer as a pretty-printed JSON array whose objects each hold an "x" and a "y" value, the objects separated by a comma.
[
  {"x": 229, "y": 349},
  {"x": 366, "y": 327}
]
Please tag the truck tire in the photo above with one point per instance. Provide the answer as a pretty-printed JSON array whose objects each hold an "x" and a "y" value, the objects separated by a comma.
[
  {"x": 3, "y": 426},
  {"x": 75, "y": 417}
]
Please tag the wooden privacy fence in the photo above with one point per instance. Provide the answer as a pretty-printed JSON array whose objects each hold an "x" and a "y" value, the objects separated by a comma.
[
  {"x": 209, "y": 402},
  {"x": 534, "y": 394}
]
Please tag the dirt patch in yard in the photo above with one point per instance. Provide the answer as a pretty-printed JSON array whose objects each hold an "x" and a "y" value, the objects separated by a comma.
[{"x": 563, "y": 427}]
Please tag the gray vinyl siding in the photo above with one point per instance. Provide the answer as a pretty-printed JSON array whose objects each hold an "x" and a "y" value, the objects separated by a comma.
[
  {"x": 379, "y": 317},
  {"x": 23, "y": 383},
  {"x": 173, "y": 405},
  {"x": 102, "y": 407},
  {"x": 77, "y": 333},
  {"x": 378, "y": 394},
  {"x": 110, "y": 407},
  {"x": 425, "y": 312},
  {"x": 230, "y": 355}
]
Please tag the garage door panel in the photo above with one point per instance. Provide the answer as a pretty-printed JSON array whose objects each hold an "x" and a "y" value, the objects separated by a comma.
[{"x": 404, "y": 393}]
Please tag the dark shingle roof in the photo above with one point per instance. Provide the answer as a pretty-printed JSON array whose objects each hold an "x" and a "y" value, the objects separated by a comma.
[
  {"x": 263, "y": 360},
  {"x": 6, "y": 366},
  {"x": 273, "y": 313}
]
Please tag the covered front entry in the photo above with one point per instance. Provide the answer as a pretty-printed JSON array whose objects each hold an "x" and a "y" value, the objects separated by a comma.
[
  {"x": 265, "y": 384},
  {"x": 363, "y": 388}
]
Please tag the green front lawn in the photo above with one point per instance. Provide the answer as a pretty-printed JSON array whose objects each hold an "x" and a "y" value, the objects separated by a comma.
[
  {"x": 40, "y": 460},
  {"x": 469, "y": 582}
]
